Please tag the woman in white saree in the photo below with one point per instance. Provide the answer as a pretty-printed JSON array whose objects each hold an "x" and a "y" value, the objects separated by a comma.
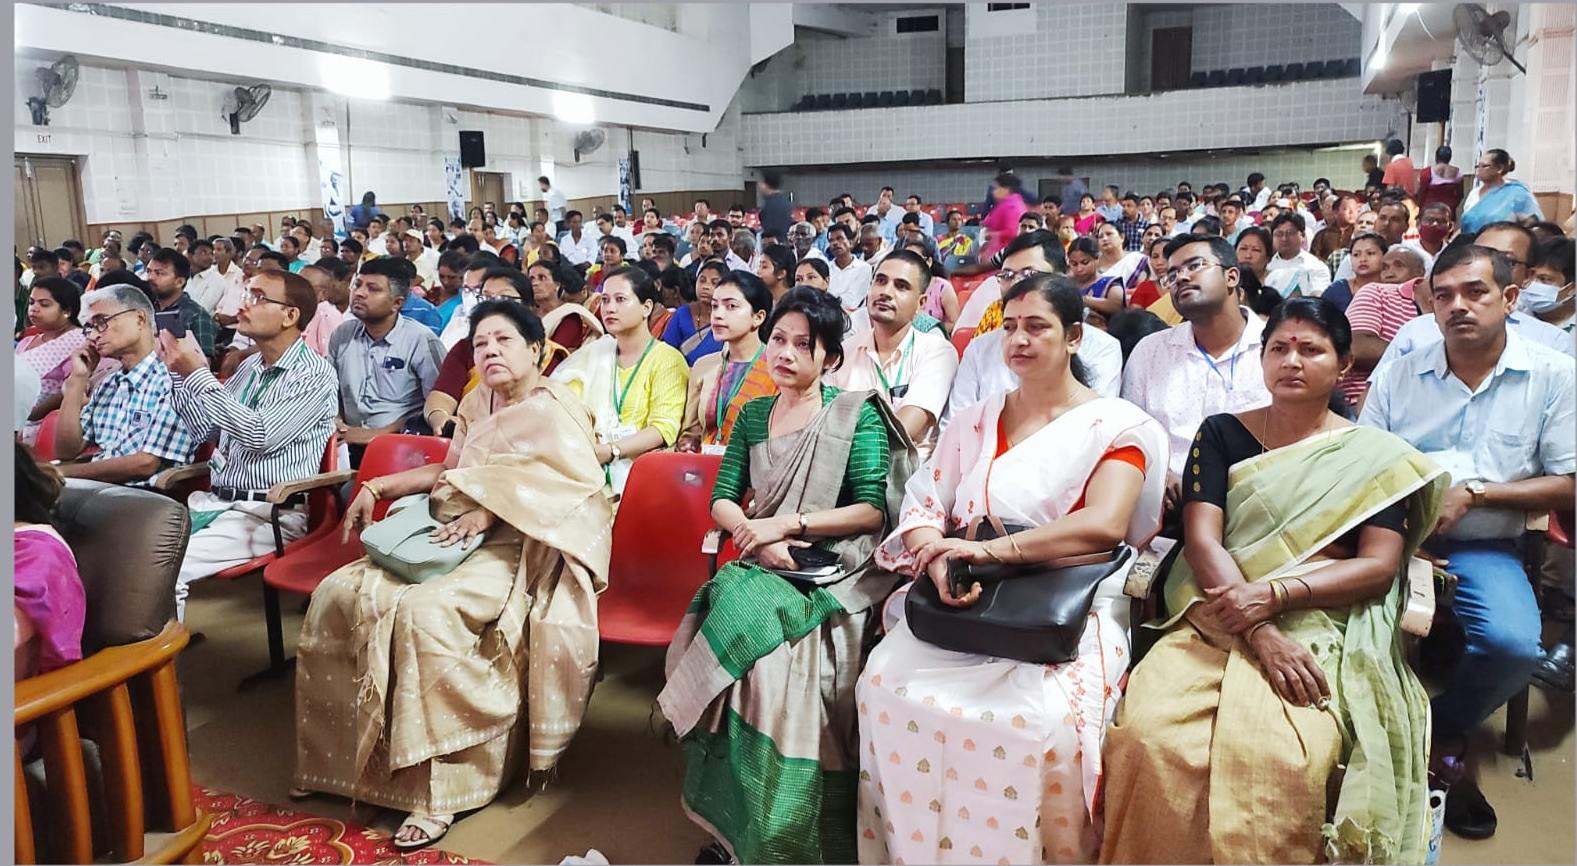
[{"x": 966, "y": 758}]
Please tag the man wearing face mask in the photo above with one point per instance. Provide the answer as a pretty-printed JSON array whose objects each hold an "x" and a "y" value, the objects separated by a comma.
[
  {"x": 1519, "y": 246},
  {"x": 459, "y": 326},
  {"x": 1548, "y": 295},
  {"x": 1435, "y": 226}
]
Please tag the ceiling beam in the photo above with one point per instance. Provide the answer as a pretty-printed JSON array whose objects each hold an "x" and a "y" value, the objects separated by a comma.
[{"x": 839, "y": 20}]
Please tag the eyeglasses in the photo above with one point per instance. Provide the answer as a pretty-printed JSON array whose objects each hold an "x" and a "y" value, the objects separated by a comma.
[
  {"x": 1007, "y": 277},
  {"x": 99, "y": 326},
  {"x": 255, "y": 297},
  {"x": 1186, "y": 269}
]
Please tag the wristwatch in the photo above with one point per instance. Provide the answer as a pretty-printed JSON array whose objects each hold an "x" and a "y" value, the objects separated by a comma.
[
  {"x": 613, "y": 448},
  {"x": 804, "y": 526},
  {"x": 1475, "y": 489}
]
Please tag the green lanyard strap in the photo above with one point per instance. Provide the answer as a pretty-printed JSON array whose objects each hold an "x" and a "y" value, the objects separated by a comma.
[
  {"x": 721, "y": 407},
  {"x": 903, "y": 355},
  {"x": 619, "y": 395}
]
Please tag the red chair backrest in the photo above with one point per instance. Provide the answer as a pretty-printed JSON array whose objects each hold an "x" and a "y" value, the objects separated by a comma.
[
  {"x": 44, "y": 446},
  {"x": 665, "y": 512},
  {"x": 961, "y": 338},
  {"x": 397, "y": 452}
]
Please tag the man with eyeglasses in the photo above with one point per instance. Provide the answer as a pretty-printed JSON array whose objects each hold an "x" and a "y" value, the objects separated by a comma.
[
  {"x": 167, "y": 273},
  {"x": 270, "y": 423},
  {"x": 458, "y": 328},
  {"x": 1293, "y": 268},
  {"x": 130, "y": 417},
  {"x": 386, "y": 362},
  {"x": 983, "y": 373},
  {"x": 1207, "y": 365},
  {"x": 486, "y": 279}
]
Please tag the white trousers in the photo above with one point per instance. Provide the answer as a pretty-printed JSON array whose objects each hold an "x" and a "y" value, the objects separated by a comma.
[{"x": 242, "y": 533}]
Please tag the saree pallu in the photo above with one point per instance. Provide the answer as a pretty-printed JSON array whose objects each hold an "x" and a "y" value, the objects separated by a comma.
[
  {"x": 761, "y": 676},
  {"x": 757, "y": 383},
  {"x": 1246, "y": 776},
  {"x": 421, "y": 697},
  {"x": 1510, "y": 201}
]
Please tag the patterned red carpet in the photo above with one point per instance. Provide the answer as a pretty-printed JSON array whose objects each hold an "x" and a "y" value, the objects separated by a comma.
[{"x": 247, "y": 831}]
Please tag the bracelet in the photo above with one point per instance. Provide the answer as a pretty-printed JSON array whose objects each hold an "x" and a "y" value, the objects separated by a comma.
[
  {"x": 804, "y": 525},
  {"x": 1306, "y": 588},
  {"x": 1017, "y": 554},
  {"x": 1279, "y": 593},
  {"x": 372, "y": 487},
  {"x": 1248, "y": 636},
  {"x": 986, "y": 549}
]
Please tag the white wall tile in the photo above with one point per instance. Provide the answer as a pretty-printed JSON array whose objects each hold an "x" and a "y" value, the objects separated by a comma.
[{"x": 1241, "y": 34}]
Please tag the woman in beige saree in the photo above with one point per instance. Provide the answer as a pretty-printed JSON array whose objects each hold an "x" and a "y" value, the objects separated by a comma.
[
  {"x": 1277, "y": 720},
  {"x": 424, "y": 697}
]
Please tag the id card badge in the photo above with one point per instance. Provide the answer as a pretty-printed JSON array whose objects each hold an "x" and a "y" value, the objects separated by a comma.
[
  {"x": 619, "y": 470},
  {"x": 216, "y": 462},
  {"x": 714, "y": 449}
]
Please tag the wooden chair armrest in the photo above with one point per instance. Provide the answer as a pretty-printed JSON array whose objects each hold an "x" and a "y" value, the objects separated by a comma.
[
  {"x": 169, "y": 478},
  {"x": 47, "y": 693},
  {"x": 286, "y": 489}
]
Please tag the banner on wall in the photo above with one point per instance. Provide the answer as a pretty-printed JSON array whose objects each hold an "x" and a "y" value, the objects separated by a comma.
[
  {"x": 331, "y": 177},
  {"x": 625, "y": 188},
  {"x": 454, "y": 176}
]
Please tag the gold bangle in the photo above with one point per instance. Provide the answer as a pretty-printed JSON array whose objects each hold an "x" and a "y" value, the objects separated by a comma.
[
  {"x": 1279, "y": 593},
  {"x": 372, "y": 487},
  {"x": 995, "y": 557},
  {"x": 1248, "y": 636},
  {"x": 1306, "y": 588},
  {"x": 1018, "y": 555}
]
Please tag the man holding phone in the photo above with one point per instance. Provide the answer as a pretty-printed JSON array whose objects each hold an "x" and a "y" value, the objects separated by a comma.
[
  {"x": 272, "y": 421},
  {"x": 130, "y": 417},
  {"x": 176, "y": 312}
]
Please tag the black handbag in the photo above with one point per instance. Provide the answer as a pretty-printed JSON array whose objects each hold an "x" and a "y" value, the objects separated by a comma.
[{"x": 1031, "y": 612}]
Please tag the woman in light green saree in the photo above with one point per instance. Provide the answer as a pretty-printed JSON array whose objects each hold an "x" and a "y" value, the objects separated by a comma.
[{"x": 1277, "y": 720}]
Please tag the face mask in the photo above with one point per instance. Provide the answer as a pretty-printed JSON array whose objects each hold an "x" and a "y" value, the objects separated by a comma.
[
  {"x": 1538, "y": 297},
  {"x": 1433, "y": 234},
  {"x": 1066, "y": 233}
]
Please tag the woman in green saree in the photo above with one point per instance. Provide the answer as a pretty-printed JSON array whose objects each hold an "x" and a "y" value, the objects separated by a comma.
[
  {"x": 1277, "y": 721},
  {"x": 761, "y": 672}
]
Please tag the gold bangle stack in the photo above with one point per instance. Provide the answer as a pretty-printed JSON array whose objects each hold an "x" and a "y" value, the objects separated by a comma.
[{"x": 1278, "y": 590}]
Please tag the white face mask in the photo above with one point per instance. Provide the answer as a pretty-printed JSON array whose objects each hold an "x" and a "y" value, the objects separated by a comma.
[{"x": 1538, "y": 297}]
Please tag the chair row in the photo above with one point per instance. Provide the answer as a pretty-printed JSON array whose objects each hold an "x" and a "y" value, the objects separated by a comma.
[
  {"x": 868, "y": 99},
  {"x": 1274, "y": 73}
]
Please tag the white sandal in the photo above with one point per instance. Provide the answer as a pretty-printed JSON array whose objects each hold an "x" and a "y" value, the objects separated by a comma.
[{"x": 432, "y": 827}]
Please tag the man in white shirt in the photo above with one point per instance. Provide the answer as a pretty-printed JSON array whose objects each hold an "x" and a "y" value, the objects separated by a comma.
[
  {"x": 913, "y": 370},
  {"x": 702, "y": 212},
  {"x": 1293, "y": 268},
  {"x": 425, "y": 260},
  {"x": 623, "y": 229},
  {"x": 1259, "y": 194},
  {"x": 557, "y": 204},
  {"x": 205, "y": 285},
  {"x": 802, "y": 237},
  {"x": 578, "y": 245},
  {"x": 849, "y": 279},
  {"x": 378, "y": 236},
  {"x": 1205, "y": 366},
  {"x": 741, "y": 251},
  {"x": 887, "y": 212},
  {"x": 233, "y": 277},
  {"x": 983, "y": 373}
]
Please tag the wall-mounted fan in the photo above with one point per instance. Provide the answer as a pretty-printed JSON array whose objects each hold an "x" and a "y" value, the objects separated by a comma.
[
  {"x": 243, "y": 103},
  {"x": 1482, "y": 34},
  {"x": 55, "y": 85},
  {"x": 587, "y": 141}
]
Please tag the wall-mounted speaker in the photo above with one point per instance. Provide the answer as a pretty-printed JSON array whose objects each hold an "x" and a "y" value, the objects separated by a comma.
[
  {"x": 472, "y": 153},
  {"x": 635, "y": 170},
  {"x": 1434, "y": 96}
]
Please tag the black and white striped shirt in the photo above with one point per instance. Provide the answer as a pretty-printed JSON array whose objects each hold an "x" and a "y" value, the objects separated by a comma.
[{"x": 272, "y": 423}]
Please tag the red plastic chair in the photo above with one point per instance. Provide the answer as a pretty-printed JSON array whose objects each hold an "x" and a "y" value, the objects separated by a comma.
[
  {"x": 302, "y": 568},
  {"x": 657, "y": 560},
  {"x": 961, "y": 338},
  {"x": 44, "y": 446}
]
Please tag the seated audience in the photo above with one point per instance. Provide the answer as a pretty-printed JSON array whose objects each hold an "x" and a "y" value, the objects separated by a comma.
[
  {"x": 476, "y": 264},
  {"x": 424, "y": 697},
  {"x": 848, "y": 278},
  {"x": 1148, "y": 291},
  {"x": 1033, "y": 731},
  {"x": 1548, "y": 294},
  {"x": 52, "y": 309},
  {"x": 815, "y": 273},
  {"x": 1194, "y": 370},
  {"x": 1495, "y": 410},
  {"x": 1366, "y": 257},
  {"x": 634, "y": 383},
  {"x": 689, "y": 327},
  {"x": 911, "y": 369},
  {"x": 723, "y": 382},
  {"x": 167, "y": 272},
  {"x": 1128, "y": 328},
  {"x": 568, "y": 324},
  {"x": 270, "y": 421},
  {"x": 327, "y": 275},
  {"x": 611, "y": 258},
  {"x": 1376, "y": 314},
  {"x": 48, "y": 603},
  {"x": 1294, "y": 270},
  {"x": 775, "y": 700},
  {"x": 1120, "y": 272},
  {"x": 386, "y": 362},
  {"x": 129, "y": 417},
  {"x": 775, "y": 267},
  {"x": 451, "y": 274},
  {"x": 1282, "y": 676},
  {"x": 983, "y": 370}
]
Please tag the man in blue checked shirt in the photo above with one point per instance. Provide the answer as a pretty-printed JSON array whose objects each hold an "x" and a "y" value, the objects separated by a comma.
[
  {"x": 130, "y": 417},
  {"x": 272, "y": 421}
]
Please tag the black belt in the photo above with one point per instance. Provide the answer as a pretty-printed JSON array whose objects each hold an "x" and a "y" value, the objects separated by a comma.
[{"x": 233, "y": 494}]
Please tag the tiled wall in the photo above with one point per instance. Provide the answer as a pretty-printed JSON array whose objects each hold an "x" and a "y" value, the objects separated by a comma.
[
  {"x": 1227, "y": 36},
  {"x": 823, "y": 63},
  {"x": 148, "y": 159},
  {"x": 1071, "y": 49},
  {"x": 1327, "y": 112},
  {"x": 1151, "y": 21},
  {"x": 1146, "y": 175}
]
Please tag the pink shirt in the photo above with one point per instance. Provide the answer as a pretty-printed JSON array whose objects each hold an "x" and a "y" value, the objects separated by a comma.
[
  {"x": 324, "y": 321},
  {"x": 1002, "y": 223},
  {"x": 1381, "y": 309}
]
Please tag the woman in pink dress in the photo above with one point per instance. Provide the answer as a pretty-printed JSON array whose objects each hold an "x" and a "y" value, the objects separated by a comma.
[
  {"x": 49, "y": 604},
  {"x": 52, "y": 308},
  {"x": 1002, "y": 222}
]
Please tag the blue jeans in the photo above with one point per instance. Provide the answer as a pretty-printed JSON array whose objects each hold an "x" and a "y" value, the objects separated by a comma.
[{"x": 1498, "y": 613}]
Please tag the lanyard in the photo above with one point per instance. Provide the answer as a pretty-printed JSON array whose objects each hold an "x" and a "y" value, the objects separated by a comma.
[
  {"x": 903, "y": 354},
  {"x": 721, "y": 407},
  {"x": 618, "y": 395},
  {"x": 1229, "y": 380},
  {"x": 261, "y": 381}
]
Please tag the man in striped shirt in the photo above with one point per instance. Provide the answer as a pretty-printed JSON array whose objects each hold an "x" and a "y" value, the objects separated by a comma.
[{"x": 271, "y": 421}]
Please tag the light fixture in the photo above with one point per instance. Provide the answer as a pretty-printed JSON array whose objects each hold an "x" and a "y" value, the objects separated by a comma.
[
  {"x": 354, "y": 77},
  {"x": 1406, "y": 8},
  {"x": 573, "y": 108}
]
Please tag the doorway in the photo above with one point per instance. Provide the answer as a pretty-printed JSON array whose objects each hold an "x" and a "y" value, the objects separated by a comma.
[
  {"x": 489, "y": 186},
  {"x": 48, "y": 202},
  {"x": 1171, "y": 57}
]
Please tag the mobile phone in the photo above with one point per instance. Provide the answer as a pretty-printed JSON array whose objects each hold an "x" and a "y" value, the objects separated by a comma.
[
  {"x": 170, "y": 321},
  {"x": 807, "y": 558}
]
